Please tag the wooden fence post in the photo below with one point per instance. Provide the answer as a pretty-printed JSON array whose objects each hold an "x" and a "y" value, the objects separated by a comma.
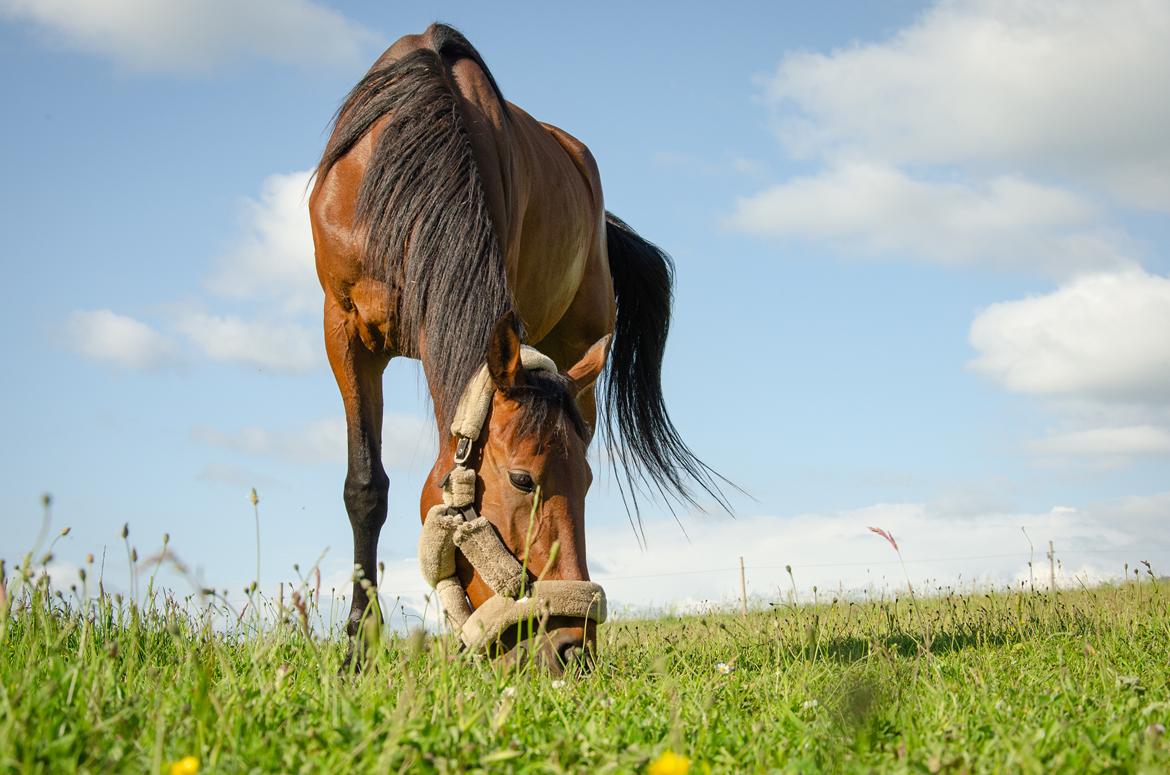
[{"x": 742, "y": 588}]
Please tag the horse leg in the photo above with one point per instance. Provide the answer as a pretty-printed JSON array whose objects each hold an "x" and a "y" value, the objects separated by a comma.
[{"x": 358, "y": 372}]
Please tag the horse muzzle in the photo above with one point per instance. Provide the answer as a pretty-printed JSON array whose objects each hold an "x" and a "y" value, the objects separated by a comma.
[{"x": 559, "y": 645}]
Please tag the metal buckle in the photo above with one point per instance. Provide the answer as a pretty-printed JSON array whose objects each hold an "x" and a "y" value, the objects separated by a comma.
[{"x": 462, "y": 450}]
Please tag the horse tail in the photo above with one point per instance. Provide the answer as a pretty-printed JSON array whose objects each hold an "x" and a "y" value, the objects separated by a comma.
[
  {"x": 429, "y": 233},
  {"x": 642, "y": 437}
]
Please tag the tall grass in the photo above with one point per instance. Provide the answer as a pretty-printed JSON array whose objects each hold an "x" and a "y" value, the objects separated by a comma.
[{"x": 1069, "y": 681}]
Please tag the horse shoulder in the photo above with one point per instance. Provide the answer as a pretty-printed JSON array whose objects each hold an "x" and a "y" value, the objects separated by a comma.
[{"x": 339, "y": 244}]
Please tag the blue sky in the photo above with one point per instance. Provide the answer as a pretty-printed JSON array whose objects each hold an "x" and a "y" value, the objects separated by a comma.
[{"x": 922, "y": 278}]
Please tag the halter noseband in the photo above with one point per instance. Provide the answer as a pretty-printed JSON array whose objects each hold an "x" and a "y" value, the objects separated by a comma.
[{"x": 454, "y": 524}]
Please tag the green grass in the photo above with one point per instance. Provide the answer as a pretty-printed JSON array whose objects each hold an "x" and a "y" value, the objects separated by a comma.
[{"x": 1004, "y": 682}]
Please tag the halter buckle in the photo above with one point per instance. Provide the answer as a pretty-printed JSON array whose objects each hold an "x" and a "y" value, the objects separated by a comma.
[{"x": 462, "y": 450}]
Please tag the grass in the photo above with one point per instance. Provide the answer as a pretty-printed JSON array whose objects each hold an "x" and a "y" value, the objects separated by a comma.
[{"x": 1074, "y": 681}]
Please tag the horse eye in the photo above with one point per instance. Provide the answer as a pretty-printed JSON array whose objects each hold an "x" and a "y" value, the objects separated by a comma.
[{"x": 522, "y": 480}]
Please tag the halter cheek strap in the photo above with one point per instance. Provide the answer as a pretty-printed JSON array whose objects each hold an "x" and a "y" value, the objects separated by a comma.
[{"x": 454, "y": 524}]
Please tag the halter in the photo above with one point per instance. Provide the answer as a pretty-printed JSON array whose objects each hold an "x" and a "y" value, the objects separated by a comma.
[{"x": 454, "y": 524}]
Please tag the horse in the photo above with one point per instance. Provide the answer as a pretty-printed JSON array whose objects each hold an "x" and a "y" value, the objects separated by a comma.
[{"x": 451, "y": 227}]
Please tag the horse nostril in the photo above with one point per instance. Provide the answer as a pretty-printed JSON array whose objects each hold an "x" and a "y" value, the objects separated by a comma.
[{"x": 573, "y": 656}]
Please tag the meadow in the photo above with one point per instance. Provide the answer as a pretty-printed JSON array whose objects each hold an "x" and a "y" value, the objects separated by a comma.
[{"x": 1006, "y": 681}]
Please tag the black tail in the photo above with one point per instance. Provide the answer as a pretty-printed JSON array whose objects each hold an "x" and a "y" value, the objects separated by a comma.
[{"x": 641, "y": 435}]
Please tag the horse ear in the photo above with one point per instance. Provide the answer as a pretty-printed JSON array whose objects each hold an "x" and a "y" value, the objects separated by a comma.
[
  {"x": 503, "y": 354},
  {"x": 586, "y": 371}
]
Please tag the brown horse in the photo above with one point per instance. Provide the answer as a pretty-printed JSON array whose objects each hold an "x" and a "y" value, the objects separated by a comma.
[{"x": 449, "y": 226}]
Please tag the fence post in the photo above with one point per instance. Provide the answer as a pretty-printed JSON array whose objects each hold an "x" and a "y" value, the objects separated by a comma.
[{"x": 742, "y": 588}]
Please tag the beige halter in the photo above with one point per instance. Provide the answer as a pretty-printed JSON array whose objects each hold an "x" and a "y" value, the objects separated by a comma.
[{"x": 453, "y": 524}]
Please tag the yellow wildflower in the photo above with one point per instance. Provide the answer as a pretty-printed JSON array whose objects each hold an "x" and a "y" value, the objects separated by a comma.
[
  {"x": 669, "y": 763},
  {"x": 188, "y": 765}
]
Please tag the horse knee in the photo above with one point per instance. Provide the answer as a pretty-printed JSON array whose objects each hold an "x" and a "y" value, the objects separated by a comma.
[{"x": 365, "y": 499}]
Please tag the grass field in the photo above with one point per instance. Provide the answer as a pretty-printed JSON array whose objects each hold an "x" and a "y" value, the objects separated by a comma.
[{"x": 1005, "y": 682}]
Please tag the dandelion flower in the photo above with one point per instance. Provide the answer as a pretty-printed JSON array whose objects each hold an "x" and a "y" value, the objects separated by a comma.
[
  {"x": 722, "y": 668},
  {"x": 558, "y": 684},
  {"x": 188, "y": 765},
  {"x": 669, "y": 763}
]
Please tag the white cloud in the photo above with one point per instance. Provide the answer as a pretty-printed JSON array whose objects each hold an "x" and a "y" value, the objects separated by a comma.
[
  {"x": 1120, "y": 442},
  {"x": 272, "y": 257},
  {"x": 266, "y": 344},
  {"x": 1098, "y": 350},
  {"x": 198, "y": 35},
  {"x": 1073, "y": 89},
  {"x": 107, "y": 337},
  {"x": 836, "y": 552},
  {"x": 408, "y": 441},
  {"x": 1103, "y": 337},
  {"x": 406, "y": 601},
  {"x": 878, "y": 209}
]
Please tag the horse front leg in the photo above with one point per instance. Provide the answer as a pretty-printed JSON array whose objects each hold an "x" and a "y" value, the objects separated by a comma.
[{"x": 358, "y": 371}]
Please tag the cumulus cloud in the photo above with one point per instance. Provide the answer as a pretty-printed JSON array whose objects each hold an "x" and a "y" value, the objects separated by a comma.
[
  {"x": 836, "y": 552},
  {"x": 1096, "y": 349},
  {"x": 198, "y": 35},
  {"x": 265, "y": 344},
  {"x": 985, "y": 132},
  {"x": 1101, "y": 337},
  {"x": 874, "y": 208},
  {"x": 118, "y": 340},
  {"x": 1066, "y": 88},
  {"x": 1113, "y": 442},
  {"x": 408, "y": 441},
  {"x": 271, "y": 258}
]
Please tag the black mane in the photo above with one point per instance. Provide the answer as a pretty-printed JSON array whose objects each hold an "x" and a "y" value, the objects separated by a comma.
[
  {"x": 429, "y": 233},
  {"x": 549, "y": 408}
]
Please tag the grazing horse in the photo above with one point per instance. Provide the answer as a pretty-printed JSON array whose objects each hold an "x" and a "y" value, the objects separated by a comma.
[{"x": 451, "y": 227}]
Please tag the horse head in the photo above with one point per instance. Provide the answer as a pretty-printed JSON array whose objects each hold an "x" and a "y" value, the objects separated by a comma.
[{"x": 503, "y": 510}]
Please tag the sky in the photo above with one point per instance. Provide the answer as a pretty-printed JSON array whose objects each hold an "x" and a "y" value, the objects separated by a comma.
[{"x": 922, "y": 283}]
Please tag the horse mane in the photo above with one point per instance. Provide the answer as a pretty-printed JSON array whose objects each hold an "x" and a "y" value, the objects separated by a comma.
[
  {"x": 550, "y": 411},
  {"x": 429, "y": 233}
]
